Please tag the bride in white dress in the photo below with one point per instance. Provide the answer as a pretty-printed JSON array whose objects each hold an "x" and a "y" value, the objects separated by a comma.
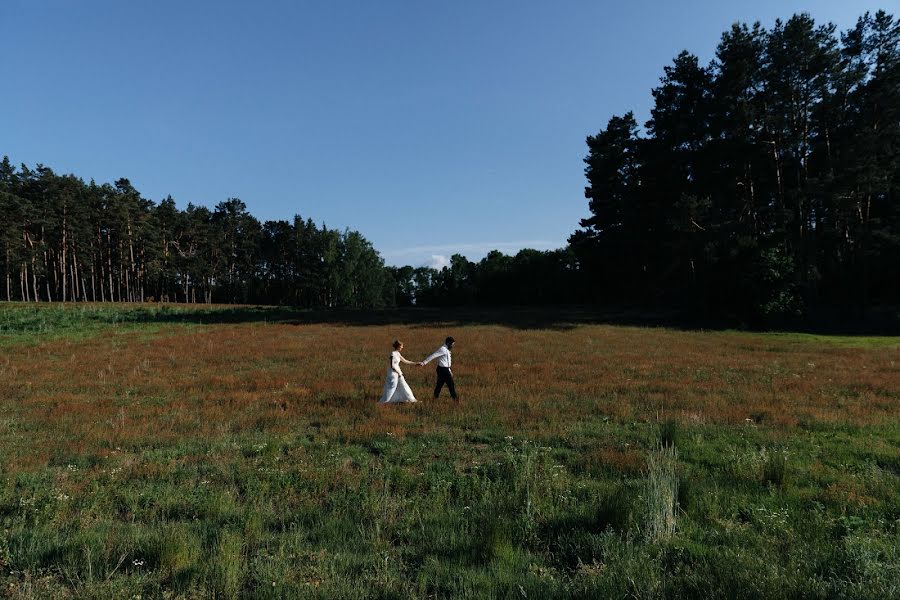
[{"x": 395, "y": 386}]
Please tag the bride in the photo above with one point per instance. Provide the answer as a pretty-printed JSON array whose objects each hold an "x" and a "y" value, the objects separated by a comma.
[{"x": 395, "y": 386}]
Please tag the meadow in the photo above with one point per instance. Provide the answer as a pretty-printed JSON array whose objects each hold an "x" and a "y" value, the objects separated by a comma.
[{"x": 176, "y": 452}]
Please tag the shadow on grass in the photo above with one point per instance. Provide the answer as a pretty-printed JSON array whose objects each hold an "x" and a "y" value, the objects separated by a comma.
[
  {"x": 574, "y": 538},
  {"x": 883, "y": 323},
  {"x": 877, "y": 323},
  {"x": 519, "y": 318}
]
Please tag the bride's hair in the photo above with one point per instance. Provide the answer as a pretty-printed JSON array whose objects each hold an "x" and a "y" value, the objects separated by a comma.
[{"x": 397, "y": 344}]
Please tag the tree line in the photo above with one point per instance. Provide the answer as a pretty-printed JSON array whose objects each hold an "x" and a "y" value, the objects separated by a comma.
[
  {"x": 531, "y": 277},
  {"x": 763, "y": 186},
  {"x": 66, "y": 240}
]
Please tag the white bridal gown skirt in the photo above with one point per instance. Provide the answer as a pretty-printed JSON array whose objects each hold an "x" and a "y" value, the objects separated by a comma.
[{"x": 396, "y": 389}]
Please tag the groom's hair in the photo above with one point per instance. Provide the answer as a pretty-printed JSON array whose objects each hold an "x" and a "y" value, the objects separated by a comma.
[{"x": 449, "y": 341}]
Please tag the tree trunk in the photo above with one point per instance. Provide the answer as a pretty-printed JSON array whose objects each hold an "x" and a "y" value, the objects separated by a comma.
[
  {"x": 49, "y": 267},
  {"x": 109, "y": 270},
  {"x": 93, "y": 275},
  {"x": 779, "y": 187},
  {"x": 131, "y": 267},
  {"x": 141, "y": 274},
  {"x": 37, "y": 297},
  {"x": 753, "y": 211},
  {"x": 65, "y": 247},
  {"x": 77, "y": 274},
  {"x": 101, "y": 276},
  {"x": 8, "y": 278},
  {"x": 864, "y": 292}
]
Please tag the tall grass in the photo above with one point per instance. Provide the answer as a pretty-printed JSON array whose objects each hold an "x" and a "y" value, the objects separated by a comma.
[
  {"x": 661, "y": 492},
  {"x": 774, "y": 466}
]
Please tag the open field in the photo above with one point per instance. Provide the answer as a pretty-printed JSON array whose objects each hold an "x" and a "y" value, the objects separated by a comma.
[{"x": 171, "y": 452}]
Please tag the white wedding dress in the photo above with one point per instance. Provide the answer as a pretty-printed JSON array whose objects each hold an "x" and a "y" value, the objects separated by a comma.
[{"x": 395, "y": 387}]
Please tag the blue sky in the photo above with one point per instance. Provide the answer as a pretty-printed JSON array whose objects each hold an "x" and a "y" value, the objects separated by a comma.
[{"x": 430, "y": 127}]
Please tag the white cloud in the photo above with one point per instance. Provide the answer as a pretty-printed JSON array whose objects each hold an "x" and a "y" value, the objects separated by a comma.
[{"x": 438, "y": 261}]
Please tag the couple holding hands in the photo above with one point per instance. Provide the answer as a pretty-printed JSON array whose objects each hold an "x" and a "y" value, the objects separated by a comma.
[{"x": 396, "y": 389}]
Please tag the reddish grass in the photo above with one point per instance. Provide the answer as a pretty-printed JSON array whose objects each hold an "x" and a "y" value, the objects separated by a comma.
[{"x": 115, "y": 389}]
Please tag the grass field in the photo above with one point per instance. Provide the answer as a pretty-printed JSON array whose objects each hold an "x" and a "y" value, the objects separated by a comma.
[{"x": 181, "y": 453}]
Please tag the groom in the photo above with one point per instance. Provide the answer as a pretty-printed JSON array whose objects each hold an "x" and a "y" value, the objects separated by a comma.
[{"x": 444, "y": 374}]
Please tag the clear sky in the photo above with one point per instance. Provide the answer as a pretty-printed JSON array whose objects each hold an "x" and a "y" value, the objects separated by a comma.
[{"x": 430, "y": 127}]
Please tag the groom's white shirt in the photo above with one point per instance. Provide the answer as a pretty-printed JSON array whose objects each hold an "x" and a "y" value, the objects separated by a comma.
[{"x": 443, "y": 356}]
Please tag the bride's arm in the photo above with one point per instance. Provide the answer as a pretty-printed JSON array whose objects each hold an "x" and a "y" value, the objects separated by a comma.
[{"x": 409, "y": 362}]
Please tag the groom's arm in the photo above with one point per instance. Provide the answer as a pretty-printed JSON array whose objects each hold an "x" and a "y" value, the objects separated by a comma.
[{"x": 432, "y": 356}]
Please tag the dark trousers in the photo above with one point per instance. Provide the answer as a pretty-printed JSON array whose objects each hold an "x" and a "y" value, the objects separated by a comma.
[{"x": 445, "y": 376}]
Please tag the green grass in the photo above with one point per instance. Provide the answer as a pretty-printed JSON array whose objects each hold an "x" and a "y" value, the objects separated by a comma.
[
  {"x": 29, "y": 324},
  {"x": 474, "y": 508},
  {"x": 853, "y": 341},
  {"x": 266, "y": 516}
]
